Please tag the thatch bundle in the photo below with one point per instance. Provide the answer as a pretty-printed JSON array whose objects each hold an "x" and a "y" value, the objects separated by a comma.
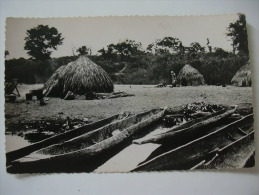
[
  {"x": 243, "y": 77},
  {"x": 79, "y": 77},
  {"x": 189, "y": 76}
]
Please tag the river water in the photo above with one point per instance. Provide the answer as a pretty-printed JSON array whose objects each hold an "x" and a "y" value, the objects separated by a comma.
[
  {"x": 131, "y": 156},
  {"x": 14, "y": 142}
]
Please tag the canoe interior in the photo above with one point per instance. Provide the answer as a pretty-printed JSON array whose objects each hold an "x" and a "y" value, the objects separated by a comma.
[
  {"x": 238, "y": 154},
  {"x": 190, "y": 130},
  {"x": 87, "y": 140},
  {"x": 96, "y": 136},
  {"x": 13, "y": 155},
  {"x": 169, "y": 157},
  {"x": 235, "y": 155}
]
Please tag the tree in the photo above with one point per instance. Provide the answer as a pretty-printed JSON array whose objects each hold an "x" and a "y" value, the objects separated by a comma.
[
  {"x": 197, "y": 48},
  {"x": 150, "y": 47},
  {"x": 170, "y": 44},
  {"x": 238, "y": 33},
  {"x": 127, "y": 48},
  {"x": 208, "y": 45},
  {"x": 166, "y": 45},
  {"x": 123, "y": 49},
  {"x": 220, "y": 52},
  {"x": 84, "y": 50},
  {"x": 41, "y": 40},
  {"x": 110, "y": 53}
]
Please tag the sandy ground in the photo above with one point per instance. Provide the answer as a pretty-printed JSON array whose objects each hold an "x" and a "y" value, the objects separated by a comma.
[{"x": 146, "y": 97}]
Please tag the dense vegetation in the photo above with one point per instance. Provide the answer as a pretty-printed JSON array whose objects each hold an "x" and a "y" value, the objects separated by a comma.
[
  {"x": 128, "y": 63},
  {"x": 145, "y": 68}
]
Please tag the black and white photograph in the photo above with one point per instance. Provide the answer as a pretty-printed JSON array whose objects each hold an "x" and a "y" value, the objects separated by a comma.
[{"x": 123, "y": 94}]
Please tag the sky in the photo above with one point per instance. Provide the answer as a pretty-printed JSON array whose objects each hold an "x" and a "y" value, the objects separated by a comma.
[{"x": 98, "y": 32}]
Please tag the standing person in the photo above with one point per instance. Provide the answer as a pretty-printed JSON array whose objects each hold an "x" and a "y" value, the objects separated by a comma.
[{"x": 173, "y": 79}]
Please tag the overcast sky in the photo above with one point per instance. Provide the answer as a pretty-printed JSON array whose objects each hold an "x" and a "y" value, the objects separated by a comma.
[{"x": 98, "y": 32}]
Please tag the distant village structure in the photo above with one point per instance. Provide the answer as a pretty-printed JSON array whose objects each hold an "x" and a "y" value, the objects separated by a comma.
[
  {"x": 243, "y": 77},
  {"x": 189, "y": 76},
  {"x": 79, "y": 77}
]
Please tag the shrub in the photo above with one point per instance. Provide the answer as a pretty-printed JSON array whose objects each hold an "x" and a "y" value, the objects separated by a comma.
[{"x": 144, "y": 68}]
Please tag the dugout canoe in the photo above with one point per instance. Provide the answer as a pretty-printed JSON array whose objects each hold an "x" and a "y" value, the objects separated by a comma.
[
  {"x": 13, "y": 155},
  {"x": 189, "y": 130},
  {"x": 238, "y": 154},
  {"x": 82, "y": 149},
  {"x": 196, "y": 153}
]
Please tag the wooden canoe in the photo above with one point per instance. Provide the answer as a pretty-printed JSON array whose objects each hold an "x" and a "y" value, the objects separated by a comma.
[
  {"x": 82, "y": 149},
  {"x": 235, "y": 155},
  {"x": 189, "y": 130},
  {"x": 13, "y": 155},
  {"x": 195, "y": 153}
]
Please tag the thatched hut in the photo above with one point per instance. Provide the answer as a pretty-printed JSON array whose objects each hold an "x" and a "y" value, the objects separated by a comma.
[
  {"x": 189, "y": 76},
  {"x": 79, "y": 77},
  {"x": 243, "y": 77}
]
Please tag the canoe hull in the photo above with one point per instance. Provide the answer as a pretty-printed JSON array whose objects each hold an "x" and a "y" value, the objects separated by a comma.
[
  {"x": 84, "y": 159},
  {"x": 190, "y": 154},
  {"x": 13, "y": 155}
]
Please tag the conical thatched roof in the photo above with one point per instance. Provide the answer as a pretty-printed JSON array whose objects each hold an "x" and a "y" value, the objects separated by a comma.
[
  {"x": 189, "y": 76},
  {"x": 80, "y": 76},
  {"x": 243, "y": 77}
]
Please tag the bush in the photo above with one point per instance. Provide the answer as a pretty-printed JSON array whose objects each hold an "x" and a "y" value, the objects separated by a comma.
[
  {"x": 145, "y": 68},
  {"x": 21, "y": 69}
]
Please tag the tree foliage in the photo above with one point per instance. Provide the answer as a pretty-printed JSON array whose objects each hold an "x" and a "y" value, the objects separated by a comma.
[
  {"x": 41, "y": 40},
  {"x": 172, "y": 45},
  {"x": 84, "y": 50},
  {"x": 166, "y": 45},
  {"x": 123, "y": 49},
  {"x": 221, "y": 52},
  {"x": 208, "y": 45},
  {"x": 238, "y": 33},
  {"x": 197, "y": 48},
  {"x": 27, "y": 70}
]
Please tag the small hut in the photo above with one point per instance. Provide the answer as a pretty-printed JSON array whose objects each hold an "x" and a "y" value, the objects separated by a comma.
[
  {"x": 79, "y": 77},
  {"x": 243, "y": 77},
  {"x": 189, "y": 76}
]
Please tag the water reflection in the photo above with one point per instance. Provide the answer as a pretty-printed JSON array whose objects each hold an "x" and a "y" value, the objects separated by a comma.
[{"x": 14, "y": 142}]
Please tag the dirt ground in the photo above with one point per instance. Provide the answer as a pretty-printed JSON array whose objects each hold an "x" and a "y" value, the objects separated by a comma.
[{"x": 146, "y": 97}]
